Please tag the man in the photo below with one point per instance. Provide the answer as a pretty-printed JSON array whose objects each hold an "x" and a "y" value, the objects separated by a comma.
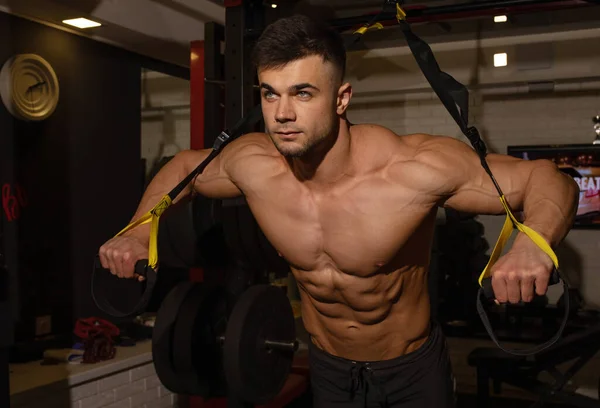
[{"x": 352, "y": 209}]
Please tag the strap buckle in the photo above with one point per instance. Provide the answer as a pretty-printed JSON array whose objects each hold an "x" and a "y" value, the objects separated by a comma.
[
  {"x": 222, "y": 138},
  {"x": 389, "y": 6},
  {"x": 473, "y": 135}
]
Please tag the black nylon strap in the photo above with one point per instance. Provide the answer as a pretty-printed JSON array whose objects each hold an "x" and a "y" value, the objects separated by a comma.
[
  {"x": 455, "y": 97},
  {"x": 452, "y": 93}
]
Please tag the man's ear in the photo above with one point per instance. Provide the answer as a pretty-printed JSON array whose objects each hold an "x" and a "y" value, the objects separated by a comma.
[{"x": 343, "y": 98}]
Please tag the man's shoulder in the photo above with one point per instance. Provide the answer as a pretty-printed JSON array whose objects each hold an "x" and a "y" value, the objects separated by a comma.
[
  {"x": 379, "y": 133},
  {"x": 251, "y": 151},
  {"x": 423, "y": 151},
  {"x": 434, "y": 149},
  {"x": 256, "y": 142},
  {"x": 250, "y": 146},
  {"x": 404, "y": 146}
]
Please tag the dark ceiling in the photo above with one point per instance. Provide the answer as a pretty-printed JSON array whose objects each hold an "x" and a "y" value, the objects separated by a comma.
[{"x": 448, "y": 20}]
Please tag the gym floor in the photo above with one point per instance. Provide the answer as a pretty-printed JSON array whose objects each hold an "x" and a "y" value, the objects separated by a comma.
[{"x": 464, "y": 401}]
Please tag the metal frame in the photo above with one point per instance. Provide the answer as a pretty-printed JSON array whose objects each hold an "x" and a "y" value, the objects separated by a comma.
[
  {"x": 418, "y": 14},
  {"x": 214, "y": 35},
  {"x": 240, "y": 16}
]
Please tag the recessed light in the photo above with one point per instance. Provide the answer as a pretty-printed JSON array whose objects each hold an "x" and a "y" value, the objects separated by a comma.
[
  {"x": 500, "y": 19},
  {"x": 273, "y": 5},
  {"x": 81, "y": 23},
  {"x": 500, "y": 60}
]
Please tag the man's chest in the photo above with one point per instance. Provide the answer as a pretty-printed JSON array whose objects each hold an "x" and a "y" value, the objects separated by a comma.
[{"x": 355, "y": 226}]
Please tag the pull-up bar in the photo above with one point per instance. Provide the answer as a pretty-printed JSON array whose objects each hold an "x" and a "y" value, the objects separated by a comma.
[{"x": 417, "y": 14}]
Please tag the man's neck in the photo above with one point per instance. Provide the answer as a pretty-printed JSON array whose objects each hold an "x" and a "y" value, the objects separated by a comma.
[{"x": 328, "y": 162}]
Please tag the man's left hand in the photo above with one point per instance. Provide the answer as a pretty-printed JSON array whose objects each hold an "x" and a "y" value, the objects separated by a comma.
[{"x": 521, "y": 272}]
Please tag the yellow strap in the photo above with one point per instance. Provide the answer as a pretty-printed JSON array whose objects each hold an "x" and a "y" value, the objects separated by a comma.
[
  {"x": 400, "y": 13},
  {"x": 365, "y": 28},
  {"x": 509, "y": 225},
  {"x": 151, "y": 216}
]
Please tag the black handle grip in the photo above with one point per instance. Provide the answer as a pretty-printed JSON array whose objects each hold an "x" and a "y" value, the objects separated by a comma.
[
  {"x": 488, "y": 290},
  {"x": 104, "y": 284},
  {"x": 141, "y": 267}
]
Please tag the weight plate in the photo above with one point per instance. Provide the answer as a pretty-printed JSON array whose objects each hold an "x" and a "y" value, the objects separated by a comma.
[
  {"x": 162, "y": 338},
  {"x": 197, "y": 359},
  {"x": 254, "y": 373}
]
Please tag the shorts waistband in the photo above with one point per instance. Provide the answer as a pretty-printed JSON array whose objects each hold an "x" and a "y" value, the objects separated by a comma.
[{"x": 435, "y": 334}]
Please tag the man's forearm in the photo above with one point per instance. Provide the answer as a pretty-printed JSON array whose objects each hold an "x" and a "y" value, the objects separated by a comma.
[
  {"x": 550, "y": 203},
  {"x": 163, "y": 182}
]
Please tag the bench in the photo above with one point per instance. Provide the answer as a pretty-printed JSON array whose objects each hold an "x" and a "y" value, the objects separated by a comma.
[{"x": 499, "y": 367}]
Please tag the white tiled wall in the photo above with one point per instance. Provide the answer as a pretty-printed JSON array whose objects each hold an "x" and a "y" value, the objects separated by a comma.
[
  {"x": 165, "y": 116},
  {"x": 135, "y": 388}
]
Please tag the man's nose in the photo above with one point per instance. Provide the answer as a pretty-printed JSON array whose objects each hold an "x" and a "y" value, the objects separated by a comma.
[{"x": 285, "y": 111}]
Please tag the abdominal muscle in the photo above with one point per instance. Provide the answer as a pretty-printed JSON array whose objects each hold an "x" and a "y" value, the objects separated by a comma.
[{"x": 372, "y": 318}]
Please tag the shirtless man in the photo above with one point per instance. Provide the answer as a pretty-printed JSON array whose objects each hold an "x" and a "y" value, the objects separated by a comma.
[{"x": 352, "y": 209}]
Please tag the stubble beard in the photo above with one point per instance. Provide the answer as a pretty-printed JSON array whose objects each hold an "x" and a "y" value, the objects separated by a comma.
[{"x": 296, "y": 151}]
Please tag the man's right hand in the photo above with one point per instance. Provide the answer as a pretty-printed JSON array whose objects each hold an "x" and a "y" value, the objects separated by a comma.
[{"x": 120, "y": 254}]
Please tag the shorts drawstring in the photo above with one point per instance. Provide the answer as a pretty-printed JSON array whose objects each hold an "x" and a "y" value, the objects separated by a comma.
[
  {"x": 361, "y": 377},
  {"x": 356, "y": 379}
]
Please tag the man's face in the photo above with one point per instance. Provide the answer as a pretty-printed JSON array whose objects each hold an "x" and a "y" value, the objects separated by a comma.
[{"x": 301, "y": 102}]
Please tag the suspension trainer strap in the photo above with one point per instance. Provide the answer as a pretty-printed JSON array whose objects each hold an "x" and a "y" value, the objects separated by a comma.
[{"x": 455, "y": 97}]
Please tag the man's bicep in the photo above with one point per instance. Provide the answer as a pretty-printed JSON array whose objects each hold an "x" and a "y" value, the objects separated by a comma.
[
  {"x": 479, "y": 194},
  {"x": 467, "y": 187}
]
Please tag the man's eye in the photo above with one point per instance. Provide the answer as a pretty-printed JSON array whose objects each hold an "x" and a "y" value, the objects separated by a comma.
[
  {"x": 304, "y": 94},
  {"x": 269, "y": 95}
]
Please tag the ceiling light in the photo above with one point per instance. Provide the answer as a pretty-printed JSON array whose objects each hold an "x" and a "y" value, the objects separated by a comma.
[
  {"x": 500, "y": 60},
  {"x": 500, "y": 19},
  {"x": 274, "y": 5},
  {"x": 82, "y": 23}
]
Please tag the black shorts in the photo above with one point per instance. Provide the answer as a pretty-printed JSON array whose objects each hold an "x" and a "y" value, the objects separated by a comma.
[{"x": 420, "y": 379}]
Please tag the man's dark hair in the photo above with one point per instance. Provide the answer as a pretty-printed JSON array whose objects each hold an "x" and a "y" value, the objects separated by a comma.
[{"x": 292, "y": 38}]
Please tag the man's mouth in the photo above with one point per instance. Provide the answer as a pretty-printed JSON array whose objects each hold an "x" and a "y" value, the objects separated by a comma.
[{"x": 288, "y": 135}]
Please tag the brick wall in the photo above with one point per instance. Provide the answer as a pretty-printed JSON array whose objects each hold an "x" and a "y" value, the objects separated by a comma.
[
  {"x": 138, "y": 387},
  {"x": 395, "y": 95}
]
